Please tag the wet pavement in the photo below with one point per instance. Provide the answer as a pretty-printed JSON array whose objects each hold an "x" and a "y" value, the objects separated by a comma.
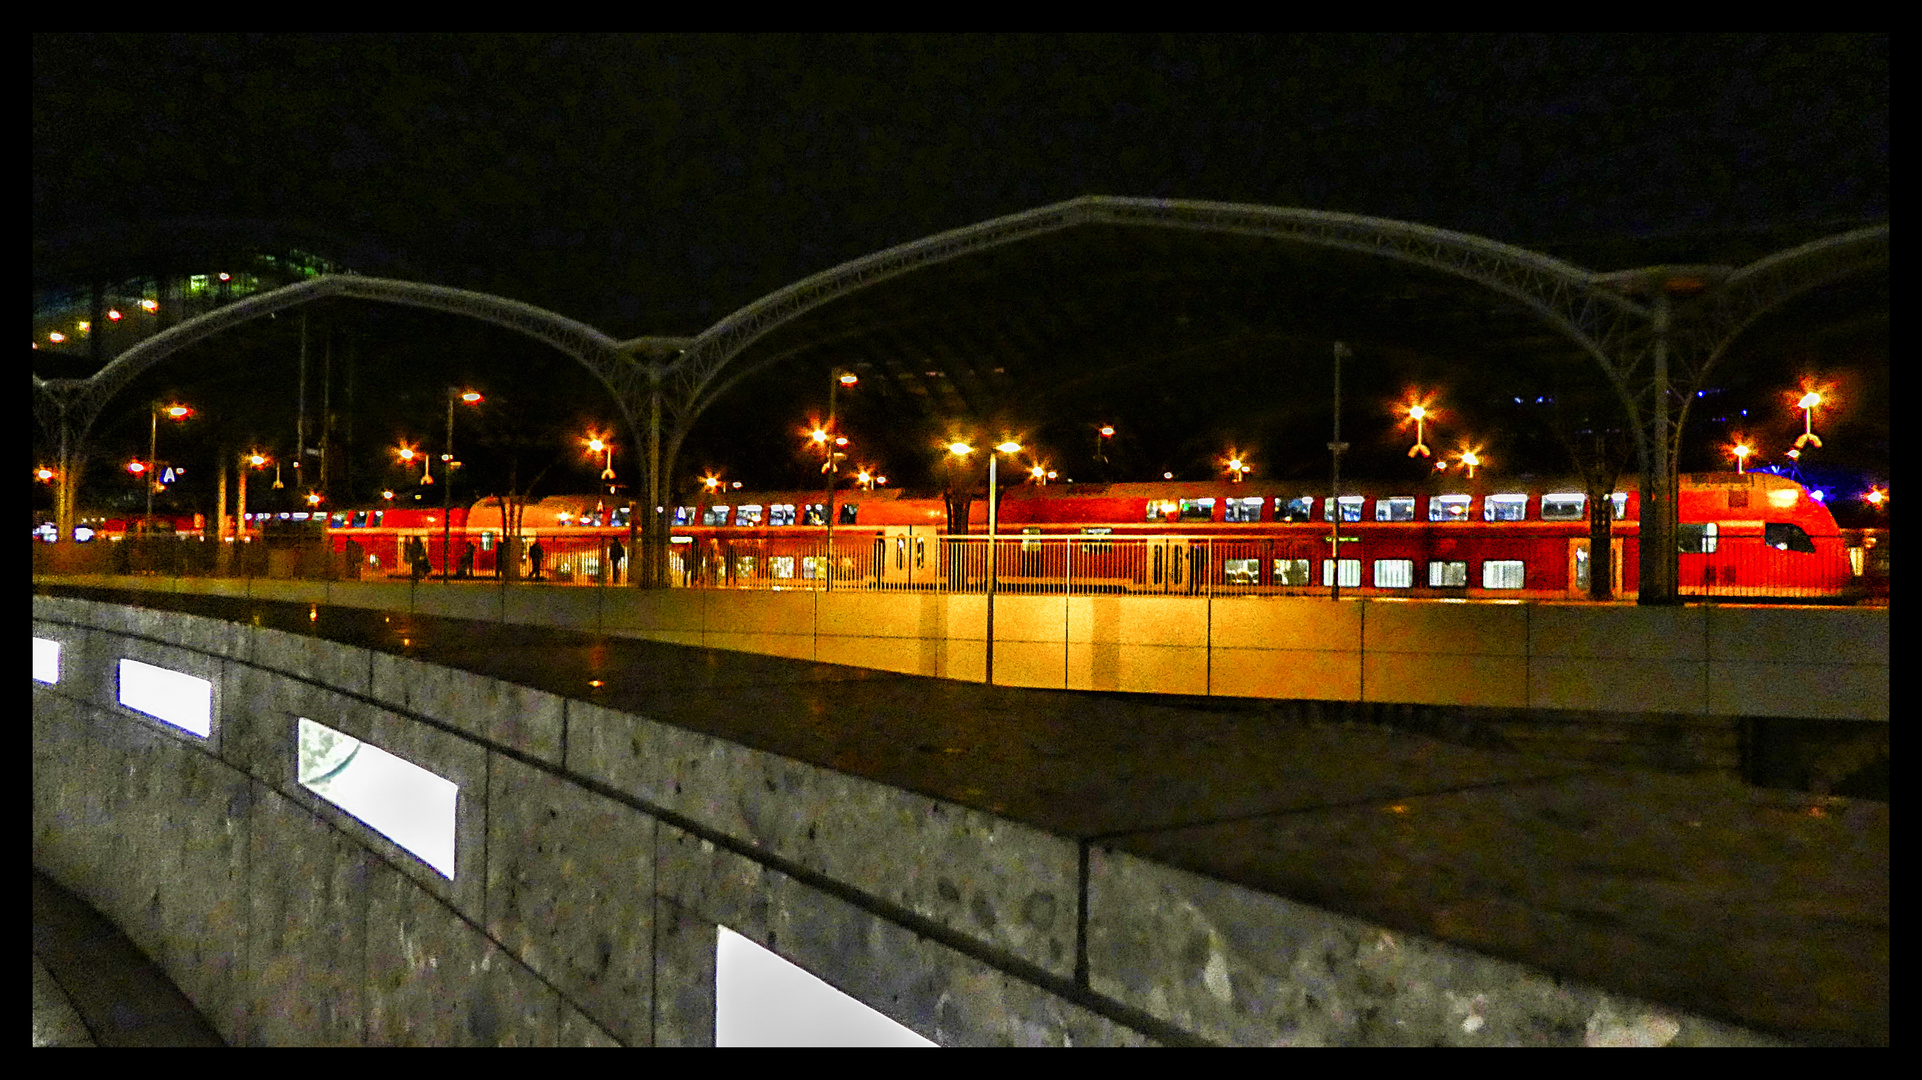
[{"x": 1760, "y": 908}]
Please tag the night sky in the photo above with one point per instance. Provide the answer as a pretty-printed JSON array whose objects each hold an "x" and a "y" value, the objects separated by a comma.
[{"x": 652, "y": 185}]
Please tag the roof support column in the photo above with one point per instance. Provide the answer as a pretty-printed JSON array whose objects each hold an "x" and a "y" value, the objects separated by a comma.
[{"x": 1659, "y": 565}]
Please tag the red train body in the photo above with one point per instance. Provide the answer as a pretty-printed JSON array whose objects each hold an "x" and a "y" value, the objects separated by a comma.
[{"x": 1741, "y": 535}]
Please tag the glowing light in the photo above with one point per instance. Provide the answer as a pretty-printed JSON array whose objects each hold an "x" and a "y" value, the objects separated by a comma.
[
  {"x": 1784, "y": 498},
  {"x": 1741, "y": 452},
  {"x": 849, "y": 378},
  {"x": 1009, "y": 447},
  {"x": 150, "y": 306},
  {"x": 136, "y": 467},
  {"x": 1876, "y": 497},
  {"x": 1819, "y": 495},
  {"x": 226, "y": 277},
  {"x": 819, "y": 435},
  {"x": 256, "y": 460},
  {"x": 83, "y": 327},
  {"x": 115, "y": 315},
  {"x": 712, "y": 483},
  {"x": 1107, "y": 432},
  {"x": 1809, "y": 400},
  {"x": 471, "y": 397},
  {"x": 313, "y": 498},
  {"x": 56, "y": 337},
  {"x": 180, "y": 699},
  {"x": 960, "y": 449},
  {"x": 43, "y": 474},
  {"x": 388, "y": 495},
  {"x": 179, "y": 412}
]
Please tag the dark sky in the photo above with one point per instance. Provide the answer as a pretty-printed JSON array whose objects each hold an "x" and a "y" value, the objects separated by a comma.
[{"x": 651, "y": 185}]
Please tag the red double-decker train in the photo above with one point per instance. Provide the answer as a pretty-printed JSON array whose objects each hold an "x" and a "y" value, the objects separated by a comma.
[{"x": 1741, "y": 535}]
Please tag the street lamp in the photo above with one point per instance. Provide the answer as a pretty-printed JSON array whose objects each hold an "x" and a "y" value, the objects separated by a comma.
[
  {"x": 447, "y": 480},
  {"x": 175, "y": 412},
  {"x": 597, "y": 445},
  {"x": 1236, "y": 467},
  {"x": 1420, "y": 416},
  {"x": 1741, "y": 452},
  {"x": 1472, "y": 460},
  {"x": 829, "y": 438},
  {"x": 1808, "y": 437}
]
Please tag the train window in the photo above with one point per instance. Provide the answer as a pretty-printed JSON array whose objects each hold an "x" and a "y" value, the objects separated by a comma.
[
  {"x": 618, "y": 518},
  {"x": 1302, "y": 509},
  {"x": 1291, "y": 571},
  {"x": 1161, "y": 511},
  {"x": 780, "y": 566},
  {"x": 900, "y": 552},
  {"x": 1241, "y": 571},
  {"x": 1395, "y": 508},
  {"x": 378, "y": 515},
  {"x": 743, "y": 566},
  {"x": 683, "y": 515},
  {"x": 848, "y": 512},
  {"x": 1695, "y": 538},
  {"x": 1350, "y": 509},
  {"x": 1447, "y": 575},
  {"x": 1620, "y": 499},
  {"x": 337, "y": 520},
  {"x": 1242, "y": 510},
  {"x": 1783, "y": 536},
  {"x": 920, "y": 552},
  {"x": 1096, "y": 549},
  {"x": 780, "y": 514},
  {"x": 1502, "y": 574},
  {"x": 748, "y": 514},
  {"x": 714, "y": 515},
  {"x": 1449, "y": 507},
  {"x": 1505, "y": 508},
  {"x": 1564, "y": 506},
  {"x": 360, "y": 519},
  {"x": 1350, "y": 572},
  {"x": 1029, "y": 541},
  {"x": 487, "y": 541},
  {"x": 1197, "y": 509},
  {"x": 814, "y": 514},
  {"x": 1394, "y": 573}
]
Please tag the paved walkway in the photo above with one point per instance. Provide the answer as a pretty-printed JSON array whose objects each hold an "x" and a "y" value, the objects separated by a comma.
[{"x": 92, "y": 987}]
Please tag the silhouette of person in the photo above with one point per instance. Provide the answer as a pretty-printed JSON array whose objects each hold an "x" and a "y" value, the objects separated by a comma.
[
  {"x": 615, "y": 553},
  {"x": 467, "y": 560},
  {"x": 535, "y": 556}
]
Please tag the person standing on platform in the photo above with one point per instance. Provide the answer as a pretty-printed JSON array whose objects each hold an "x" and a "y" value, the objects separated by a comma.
[
  {"x": 615, "y": 553},
  {"x": 535, "y": 556}
]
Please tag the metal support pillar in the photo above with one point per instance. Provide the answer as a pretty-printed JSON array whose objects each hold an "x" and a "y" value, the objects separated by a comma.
[{"x": 1658, "y": 563}]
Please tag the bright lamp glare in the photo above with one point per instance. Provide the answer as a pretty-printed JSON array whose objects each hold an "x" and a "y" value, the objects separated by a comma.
[
  {"x": 46, "y": 661},
  {"x": 396, "y": 798},
  {"x": 762, "y": 1000},
  {"x": 180, "y": 699}
]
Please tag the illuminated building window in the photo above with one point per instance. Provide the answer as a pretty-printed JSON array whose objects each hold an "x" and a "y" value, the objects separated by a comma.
[
  {"x": 1449, "y": 507},
  {"x": 748, "y": 514},
  {"x": 46, "y": 661},
  {"x": 393, "y": 796},
  {"x": 1242, "y": 510},
  {"x": 715, "y": 515},
  {"x": 1395, "y": 508},
  {"x": 1505, "y": 508},
  {"x": 1502, "y": 574},
  {"x": 1395, "y": 573},
  {"x": 1447, "y": 575},
  {"x": 1564, "y": 506},
  {"x": 1302, "y": 509},
  {"x": 180, "y": 699},
  {"x": 1350, "y": 508},
  {"x": 1350, "y": 572}
]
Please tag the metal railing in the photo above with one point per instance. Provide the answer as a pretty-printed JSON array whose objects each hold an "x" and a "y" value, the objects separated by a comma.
[{"x": 1738, "y": 568}]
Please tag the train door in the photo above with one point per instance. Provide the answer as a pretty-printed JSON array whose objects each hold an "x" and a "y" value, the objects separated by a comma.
[
  {"x": 1168, "y": 569},
  {"x": 905, "y": 556},
  {"x": 1578, "y": 567}
]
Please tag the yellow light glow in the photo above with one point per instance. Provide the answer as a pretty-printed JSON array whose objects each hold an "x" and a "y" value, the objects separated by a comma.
[
  {"x": 1784, "y": 498},
  {"x": 83, "y": 327},
  {"x": 1107, "y": 432},
  {"x": 819, "y": 435},
  {"x": 1416, "y": 412},
  {"x": 1809, "y": 400},
  {"x": 256, "y": 460},
  {"x": 849, "y": 378},
  {"x": 115, "y": 315},
  {"x": 1009, "y": 447},
  {"x": 179, "y": 412},
  {"x": 43, "y": 474},
  {"x": 470, "y": 397},
  {"x": 960, "y": 449},
  {"x": 596, "y": 445},
  {"x": 1876, "y": 496},
  {"x": 56, "y": 337},
  {"x": 150, "y": 306}
]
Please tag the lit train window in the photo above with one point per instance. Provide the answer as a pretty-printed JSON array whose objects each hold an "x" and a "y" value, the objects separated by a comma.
[
  {"x": 1783, "y": 536},
  {"x": 814, "y": 514},
  {"x": 1096, "y": 549},
  {"x": 360, "y": 519},
  {"x": 619, "y": 518},
  {"x": 1502, "y": 574},
  {"x": 1291, "y": 571},
  {"x": 748, "y": 514},
  {"x": 1302, "y": 509},
  {"x": 1449, "y": 507},
  {"x": 337, "y": 520},
  {"x": 1197, "y": 509},
  {"x": 1161, "y": 511},
  {"x": 1394, "y": 573},
  {"x": 714, "y": 515},
  {"x": 1395, "y": 508},
  {"x": 780, "y": 514},
  {"x": 487, "y": 541},
  {"x": 848, "y": 512},
  {"x": 1350, "y": 510},
  {"x": 1620, "y": 499},
  {"x": 900, "y": 552},
  {"x": 1028, "y": 541},
  {"x": 780, "y": 566},
  {"x": 1695, "y": 538},
  {"x": 378, "y": 515},
  {"x": 920, "y": 552},
  {"x": 1505, "y": 508},
  {"x": 1350, "y": 572},
  {"x": 1564, "y": 506},
  {"x": 1447, "y": 575},
  {"x": 1241, "y": 571},
  {"x": 1242, "y": 510},
  {"x": 683, "y": 515}
]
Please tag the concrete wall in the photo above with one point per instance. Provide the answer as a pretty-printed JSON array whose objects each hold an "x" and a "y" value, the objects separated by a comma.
[
  {"x": 1710, "y": 660},
  {"x": 597, "y": 851}
]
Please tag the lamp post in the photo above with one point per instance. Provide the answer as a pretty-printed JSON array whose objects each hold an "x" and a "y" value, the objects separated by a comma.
[
  {"x": 175, "y": 411},
  {"x": 1741, "y": 452},
  {"x": 447, "y": 484},
  {"x": 1420, "y": 416},
  {"x": 1007, "y": 446},
  {"x": 1808, "y": 437},
  {"x": 829, "y": 438},
  {"x": 1335, "y": 448}
]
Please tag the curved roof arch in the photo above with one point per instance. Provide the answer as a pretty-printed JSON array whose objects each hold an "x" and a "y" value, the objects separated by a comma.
[
  {"x": 81, "y": 400},
  {"x": 1562, "y": 294}
]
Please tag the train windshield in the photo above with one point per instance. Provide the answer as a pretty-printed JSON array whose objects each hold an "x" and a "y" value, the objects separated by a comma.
[{"x": 1783, "y": 536}]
